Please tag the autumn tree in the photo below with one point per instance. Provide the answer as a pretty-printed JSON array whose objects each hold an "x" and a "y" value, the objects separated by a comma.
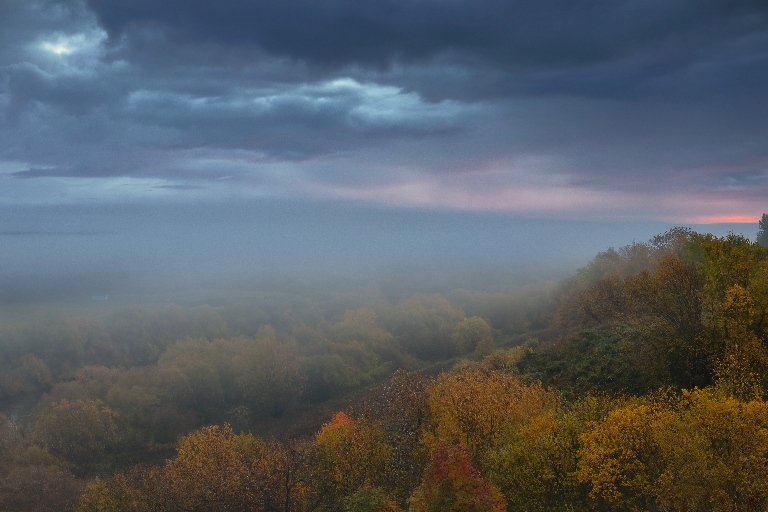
[
  {"x": 729, "y": 261},
  {"x": 140, "y": 489},
  {"x": 480, "y": 408},
  {"x": 352, "y": 352},
  {"x": 620, "y": 458},
  {"x": 349, "y": 454},
  {"x": 758, "y": 291},
  {"x": 38, "y": 488},
  {"x": 33, "y": 373},
  {"x": 423, "y": 325},
  {"x": 156, "y": 403},
  {"x": 451, "y": 483},
  {"x": 666, "y": 306},
  {"x": 744, "y": 360},
  {"x": 735, "y": 305},
  {"x": 208, "y": 472},
  {"x": 216, "y": 469},
  {"x": 474, "y": 334},
  {"x": 359, "y": 326},
  {"x": 202, "y": 364},
  {"x": 370, "y": 499},
  {"x": 96, "y": 341},
  {"x": 83, "y": 432},
  {"x": 269, "y": 375},
  {"x": 715, "y": 450},
  {"x": 400, "y": 411},
  {"x": 703, "y": 450},
  {"x": 536, "y": 469}
]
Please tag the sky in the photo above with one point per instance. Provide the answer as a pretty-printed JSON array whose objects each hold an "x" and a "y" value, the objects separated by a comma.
[{"x": 639, "y": 111}]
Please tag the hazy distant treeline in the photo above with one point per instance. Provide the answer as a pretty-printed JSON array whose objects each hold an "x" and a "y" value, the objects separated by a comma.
[{"x": 335, "y": 349}]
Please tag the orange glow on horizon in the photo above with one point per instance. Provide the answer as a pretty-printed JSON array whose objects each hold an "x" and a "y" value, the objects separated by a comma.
[{"x": 723, "y": 219}]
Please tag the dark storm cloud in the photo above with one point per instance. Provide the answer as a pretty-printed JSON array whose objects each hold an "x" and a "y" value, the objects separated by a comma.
[
  {"x": 375, "y": 32},
  {"x": 597, "y": 47}
]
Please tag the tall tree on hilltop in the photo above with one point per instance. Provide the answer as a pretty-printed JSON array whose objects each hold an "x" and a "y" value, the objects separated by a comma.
[{"x": 762, "y": 233}]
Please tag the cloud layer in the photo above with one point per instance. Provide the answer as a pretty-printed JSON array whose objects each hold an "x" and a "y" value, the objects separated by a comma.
[{"x": 554, "y": 108}]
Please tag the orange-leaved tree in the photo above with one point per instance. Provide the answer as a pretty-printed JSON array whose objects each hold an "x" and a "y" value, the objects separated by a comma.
[
  {"x": 348, "y": 454},
  {"x": 451, "y": 483}
]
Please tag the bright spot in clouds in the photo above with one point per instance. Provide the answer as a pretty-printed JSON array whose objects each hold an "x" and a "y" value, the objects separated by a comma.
[
  {"x": 74, "y": 43},
  {"x": 57, "y": 48}
]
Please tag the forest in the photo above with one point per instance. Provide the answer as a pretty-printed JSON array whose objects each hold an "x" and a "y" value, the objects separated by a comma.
[{"x": 639, "y": 383}]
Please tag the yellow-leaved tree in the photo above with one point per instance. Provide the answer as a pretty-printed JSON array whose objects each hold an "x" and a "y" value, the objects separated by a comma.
[
  {"x": 620, "y": 458},
  {"x": 706, "y": 450},
  {"x": 715, "y": 453},
  {"x": 348, "y": 455},
  {"x": 536, "y": 469},
  {"x": 480, "y": 408},
  {"x": 215, "y": 469}
]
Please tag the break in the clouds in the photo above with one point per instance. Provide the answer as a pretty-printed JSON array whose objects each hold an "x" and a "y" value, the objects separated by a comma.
[{"x": 634, "y": 109}]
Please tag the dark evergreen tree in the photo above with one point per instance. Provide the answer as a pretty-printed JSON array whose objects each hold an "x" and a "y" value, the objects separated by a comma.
[{"x": 762, "y": 233}]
